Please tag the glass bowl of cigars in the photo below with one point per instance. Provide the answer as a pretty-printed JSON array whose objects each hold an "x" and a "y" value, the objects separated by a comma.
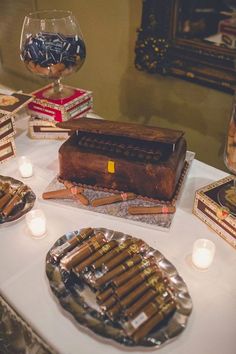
[
  {"x": 118, "y": 286},
  {"x": 16, "y": 199}
]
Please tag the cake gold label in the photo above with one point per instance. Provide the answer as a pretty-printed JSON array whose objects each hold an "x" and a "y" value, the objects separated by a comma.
[{"x": 111, "y": 166}]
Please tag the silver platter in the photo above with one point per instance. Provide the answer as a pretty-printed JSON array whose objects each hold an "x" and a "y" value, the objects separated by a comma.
[
  {"x": 80, "y": 301},
  {"x": 23, "y": 206}
]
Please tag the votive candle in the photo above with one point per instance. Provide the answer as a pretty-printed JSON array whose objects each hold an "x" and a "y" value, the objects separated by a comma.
[
  {"x": 36, "y": 222},
  {"x": 25, "y": 167},
  {"x": 203, "y": 253}
]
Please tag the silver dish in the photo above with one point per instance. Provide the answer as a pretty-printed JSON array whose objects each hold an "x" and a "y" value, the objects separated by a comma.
[
  {"x": 23, "y": 206},
  {"x": 80, "y": 301}
]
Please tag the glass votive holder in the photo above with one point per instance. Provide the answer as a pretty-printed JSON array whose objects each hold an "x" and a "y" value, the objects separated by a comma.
[
  {"x": 25, "y": 166},
  {"x": 36, "y": 223},
  {"x": 203, "y": 253}
]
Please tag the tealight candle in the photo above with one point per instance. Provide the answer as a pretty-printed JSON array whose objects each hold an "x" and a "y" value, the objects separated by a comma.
[
  {"x": 203, "y": 253},
  {"x": 25, "y": 167},
  {"x": 36, "y": 222}
]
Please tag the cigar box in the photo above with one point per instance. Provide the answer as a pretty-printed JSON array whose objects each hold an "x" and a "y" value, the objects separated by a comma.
[
  {"x": 44, "y": 129},
  {"x": 227, "y": 28},
  {"x": 7, "y": 126},
  {"x": 126, "y": 157},
  {"x": 74, "y": 106},
  {"x": 215, "y": 205},
  {"x": 7, "y": 149}
]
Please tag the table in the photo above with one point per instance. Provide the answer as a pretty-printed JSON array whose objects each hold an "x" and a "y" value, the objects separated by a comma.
[{"x": 211, "y": 327}]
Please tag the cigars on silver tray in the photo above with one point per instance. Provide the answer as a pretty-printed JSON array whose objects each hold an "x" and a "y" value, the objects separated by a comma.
[{"x": 131, "y": 289}]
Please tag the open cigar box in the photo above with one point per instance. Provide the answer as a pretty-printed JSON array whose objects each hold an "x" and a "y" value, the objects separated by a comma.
[{"x": 124, "y": 157}]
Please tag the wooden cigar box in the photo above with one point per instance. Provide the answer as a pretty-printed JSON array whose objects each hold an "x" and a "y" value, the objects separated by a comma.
[
  {"x": 78, "y": 104},
  {"x": 7, "y": 149},
  {"x": 7, "y": 126},
  {"x": 215, "y": 205},
  {"x": 44, "y": 129},
  {"x": 125, "y": 157}
]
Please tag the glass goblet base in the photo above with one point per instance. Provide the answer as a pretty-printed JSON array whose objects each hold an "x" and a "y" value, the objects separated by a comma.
[{"x": 58, "y": 91}]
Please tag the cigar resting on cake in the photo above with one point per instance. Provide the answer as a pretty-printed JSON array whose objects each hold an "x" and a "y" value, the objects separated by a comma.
[
  {"x": 113, "y": 199},
  {"x": 76, "y": 191},
  {"x": 111, "y": 254},
  {"x": 137, "y": 247},
  {"x": 16, "y": 197},
  {"x": 124, "y": 277},
  {"x": 152, "y": 322},
  {"x": 6, "y": 189},
  {"x": 139, "y": 210},
  {"x": 135, "y": 281},
  {"x": 59, "y": 251},
  {"x": 121, "y": 268},
  {"x": 103, "y": 250},
  {"x": 79, "y": 254}
]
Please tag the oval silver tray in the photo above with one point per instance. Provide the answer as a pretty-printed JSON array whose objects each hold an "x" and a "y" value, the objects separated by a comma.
[
  {"x": 81, "y": 303},
  {"x": 23, "y": 206}
]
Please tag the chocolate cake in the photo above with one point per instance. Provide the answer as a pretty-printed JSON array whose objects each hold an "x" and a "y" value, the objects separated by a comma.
[{"x": 126, "y": 157}]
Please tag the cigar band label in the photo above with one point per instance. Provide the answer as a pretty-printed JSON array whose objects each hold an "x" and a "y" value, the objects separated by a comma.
[
  {"x": 160, "y": 287},
  {"x": 105, "y": 249},
  {"x": 153, "y": 282},
  {"x": 134, "y": 248},
  {"x": 111, "y": 166},
  {"x": 147, "y": 271},
  {"x": 164, "y": 209},
  {"x": 124, "y": 196},
  {"x": 140, "y": 319},
  {"x": 58, "y": 250},
  {"x": 129, "y": 263},
  {"x": 121, "y": 246},
  {"x": 145, "y": 263},
  {"x": 95, "y": 244}
]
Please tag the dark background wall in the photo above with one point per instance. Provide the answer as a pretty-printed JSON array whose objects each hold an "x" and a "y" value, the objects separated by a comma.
[{"x": 120, "y": 91}]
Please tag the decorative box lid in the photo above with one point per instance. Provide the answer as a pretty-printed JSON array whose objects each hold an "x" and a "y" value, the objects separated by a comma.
[{"x": 129, "y": 130}]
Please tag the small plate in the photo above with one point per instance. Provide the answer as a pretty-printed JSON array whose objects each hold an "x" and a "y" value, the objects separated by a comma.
[
  {"x": 80, "y": 301},
  {"x": 25, "y": 204}
]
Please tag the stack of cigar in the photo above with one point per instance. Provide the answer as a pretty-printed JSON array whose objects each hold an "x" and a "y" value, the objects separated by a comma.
[
  {"x": 10, "y": 197},
  {"x": 130, "y": 287}
]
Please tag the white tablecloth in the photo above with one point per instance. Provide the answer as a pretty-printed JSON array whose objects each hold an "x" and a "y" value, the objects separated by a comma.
[{"x": 211, "y": 327}]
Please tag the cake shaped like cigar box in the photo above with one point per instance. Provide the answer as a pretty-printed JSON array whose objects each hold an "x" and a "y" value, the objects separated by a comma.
[{"x": 125, "y": 157}]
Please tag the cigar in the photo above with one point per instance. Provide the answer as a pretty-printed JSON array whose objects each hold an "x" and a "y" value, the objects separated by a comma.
[
  {"x": 6, "y": 189},
  {"x": 124, "y": 277},
  {"x": 110, "y": 302},
  {"x": 82, "y": 252},
  {"x": 147, "y": 306},
  {"x": 103, "y": 250},
  {"x": 81, "y": 197},
  {"x": 113, "y": 253},
  {"x": 146, "y": 328},
  {"x": 104, "y": 295},
  {"x": 137, "y": 247},
  {"x": 113, "y": 199},
  {"x": 59, "y": 251},
  {"x": 132, "y": 310},
  {"x": 118, "y": 270},
  {"x": 15, "y": 199},
  {"x": 59, "y": 194},
  {"x": 137, "y": 280},
  {"x": 139, "y": 210},
  {"x": 155, "y": 282},
  {"x": 114, "y": 311}
]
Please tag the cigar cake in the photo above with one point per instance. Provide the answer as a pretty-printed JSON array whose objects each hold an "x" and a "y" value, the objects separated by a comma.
[{"x": 126, "y": 157}]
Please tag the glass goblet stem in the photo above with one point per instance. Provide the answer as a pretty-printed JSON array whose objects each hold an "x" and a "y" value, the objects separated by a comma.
[{"x": 57, "y": 86}]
